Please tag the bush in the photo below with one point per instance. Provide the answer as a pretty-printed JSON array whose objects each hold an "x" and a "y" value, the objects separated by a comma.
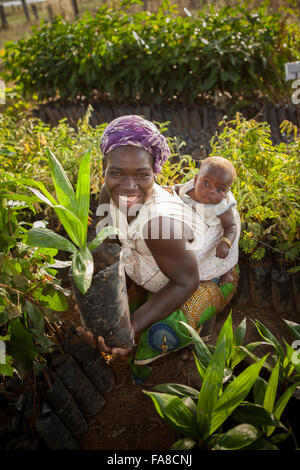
[
  {"x": 160, "y": 56},
  {"x": 23, "y": 145},
  {"x": 29, "y": 293}
]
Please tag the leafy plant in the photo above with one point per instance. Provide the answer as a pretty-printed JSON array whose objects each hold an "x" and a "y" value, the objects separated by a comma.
[
  {"x": 201, "y": 415},
  {"x": 285, "y": 361},
  {"x": 235, "y": 351},
  {"x": 30, "y": 294},
  {"x": 156, "y": 56},
  {"x": 23, "y": 143},
  {"x": 72, "y": 209},
  {"x": 200, "y": 418}
]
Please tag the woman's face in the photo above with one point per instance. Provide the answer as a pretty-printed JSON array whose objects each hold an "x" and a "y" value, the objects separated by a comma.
[{"x": 129, "y": 175}]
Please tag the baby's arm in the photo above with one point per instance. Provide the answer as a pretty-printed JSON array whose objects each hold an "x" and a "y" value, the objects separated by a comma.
[{"x": 229, "y": 231}]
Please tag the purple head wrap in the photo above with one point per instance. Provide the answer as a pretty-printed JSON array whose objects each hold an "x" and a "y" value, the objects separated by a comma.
[{"x": 137, "y": 131}]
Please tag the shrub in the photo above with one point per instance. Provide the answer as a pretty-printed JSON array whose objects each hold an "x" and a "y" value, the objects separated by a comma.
[
  {"x": 160, "y": 56},
  {"x": 24, "y": 141},
  {"x": 29, "y": 292}
]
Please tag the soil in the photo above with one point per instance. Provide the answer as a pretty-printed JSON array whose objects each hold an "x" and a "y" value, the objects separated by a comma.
[{"x": 129, "y": 420}]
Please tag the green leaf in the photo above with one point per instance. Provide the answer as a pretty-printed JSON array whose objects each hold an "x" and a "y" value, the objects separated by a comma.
[
  {"x": 21, "y": 343},
  {"x": 105, "y": 232},
  {"x": 82, "y": 269},
  {"x": 72, "y": 224},
  {"x": 261, "y": 444},
  {"x": 237, "y": 437},
  {"x": 175, "y": 412},
  {"x": 255, "y": 414},
  {"x": 160, "y": 400},
  {"x": 6, "y": 370},
  {"x": 41, "y": 196},
  {"x": 237, "y": 356},
  {"x": 83, "y": 191},
  {"x": 210, "y": 80},
  {"x": 239, "y": 333},
  {"x": 202, "y": 350},
  {"x": 283, "y": 400},
  {"x": 227, "y": 333},
  {"x": 210, "y": 389},
  {"x": 179, "y": 416},
  {"x": 267, "y": 335},
  {"x": 47, "y": 238},
  {"x": 63, "y": 188},
  {"x": 200, "y": 367},
  {"x": 178, "y": 390},
  {"x": 36, "y": 316},
  {"x": 190, "y": 403},
  {"x": 234, "y": 394},
  {"x": 281, "y": 437},
  {"x": 184, "y": 444},
  {"x": 255, "y": 357},
  {"x": 294, "y": 327},
  {"x": 6, "y": 365},
  {"x": 294, "y": 357},
  {"x": 259, "y": 390},
  {"x": 271, "y": 391},
  {"x": 50, "y": 297}
]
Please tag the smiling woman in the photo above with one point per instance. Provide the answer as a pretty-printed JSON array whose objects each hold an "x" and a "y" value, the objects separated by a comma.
[
  {"x": 158, "y": 233},
  {"x": 129, "y": 176}
]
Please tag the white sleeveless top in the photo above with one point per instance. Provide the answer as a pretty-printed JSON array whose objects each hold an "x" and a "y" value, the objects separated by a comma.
[{"x": 139, "y": 263}]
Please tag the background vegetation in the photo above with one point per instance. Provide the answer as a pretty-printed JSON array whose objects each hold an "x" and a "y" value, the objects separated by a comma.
[
  {"x": 232, "y": 48},
  {"x": 120, "y": 55}
]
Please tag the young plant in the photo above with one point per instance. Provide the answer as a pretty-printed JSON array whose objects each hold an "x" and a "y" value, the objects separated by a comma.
[
  {"x": 72, "y": 209},
  {"x": 235, "y": 351},
  {"x": 29, "y": 292},
  {"x": 198, "y": 415},
  {"x": 286, "y": 361}
]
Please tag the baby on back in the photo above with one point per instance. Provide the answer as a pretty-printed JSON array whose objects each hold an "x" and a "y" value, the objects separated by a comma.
[{"x": 210, "y": 192}]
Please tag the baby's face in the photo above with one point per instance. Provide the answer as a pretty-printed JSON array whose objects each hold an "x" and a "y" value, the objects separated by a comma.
[{"x": 211, "y": 185}]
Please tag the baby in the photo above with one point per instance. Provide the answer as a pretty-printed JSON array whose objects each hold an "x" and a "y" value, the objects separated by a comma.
[{"x": 210, "y": 191}]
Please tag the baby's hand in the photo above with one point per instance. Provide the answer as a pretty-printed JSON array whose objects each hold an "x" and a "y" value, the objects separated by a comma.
[{"x": 222, "y": 250}]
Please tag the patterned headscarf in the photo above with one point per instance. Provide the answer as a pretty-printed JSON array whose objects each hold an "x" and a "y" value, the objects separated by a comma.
[{"x": 137, "y": 131}]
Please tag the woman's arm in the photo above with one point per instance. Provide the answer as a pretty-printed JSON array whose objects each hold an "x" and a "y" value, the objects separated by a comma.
[{"x": 178, "y": 264}]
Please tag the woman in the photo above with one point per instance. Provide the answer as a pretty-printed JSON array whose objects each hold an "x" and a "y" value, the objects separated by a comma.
[{"x": 158, "y": 233}]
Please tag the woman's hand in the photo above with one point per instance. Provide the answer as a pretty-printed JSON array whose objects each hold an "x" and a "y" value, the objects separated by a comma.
[{"x": 100, "y": 344}]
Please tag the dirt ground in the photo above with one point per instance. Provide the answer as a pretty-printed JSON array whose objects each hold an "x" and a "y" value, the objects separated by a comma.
[{"x": 129, "y": 420}]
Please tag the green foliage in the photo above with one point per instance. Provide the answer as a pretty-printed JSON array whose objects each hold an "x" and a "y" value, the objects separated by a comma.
[
  {"x": 23, "y": 144},
  {"x": 122, "y": 55},
  {"x": 29, "y": 291},
  {"x": 72, "y": 209},
  {"x": 287, "y": 362},
  {"x": 267, "y": 185},
  {"x": 200, "y": 415}
]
